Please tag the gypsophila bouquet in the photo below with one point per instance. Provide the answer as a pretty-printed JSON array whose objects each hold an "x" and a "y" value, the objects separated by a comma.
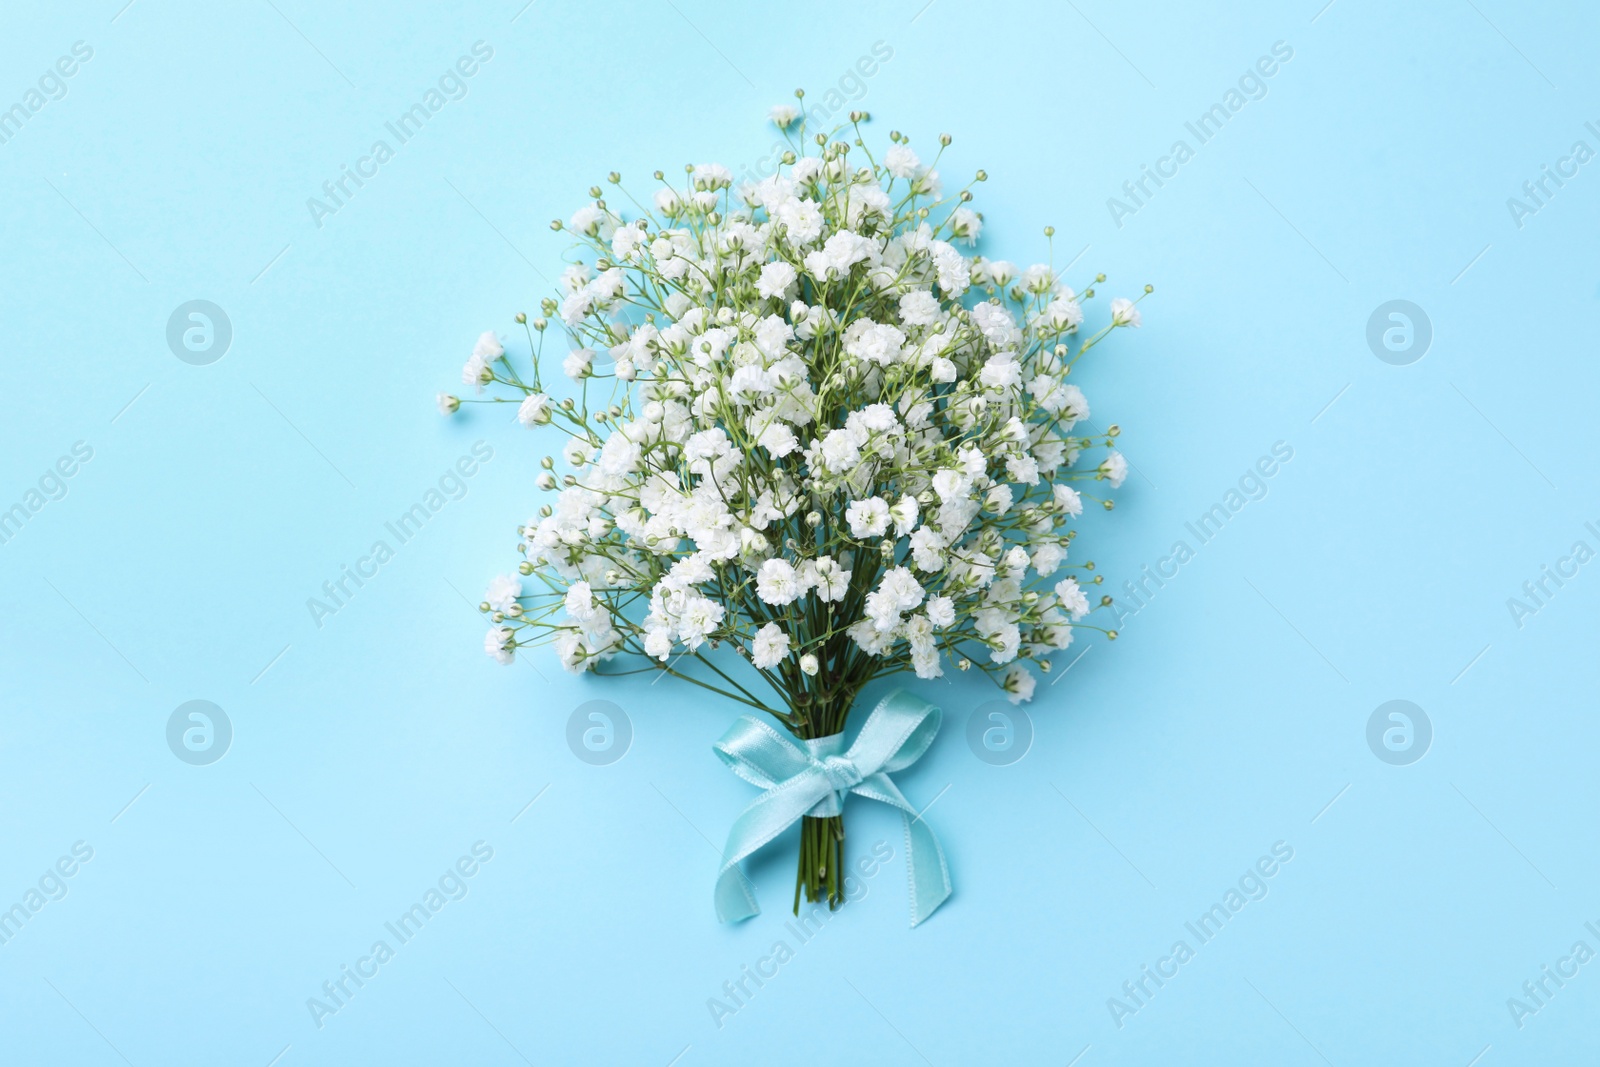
[{"x": 808, "y": 431}]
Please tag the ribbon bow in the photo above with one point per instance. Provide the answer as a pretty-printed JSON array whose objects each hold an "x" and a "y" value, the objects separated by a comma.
[{"x": 813, "y": 777}]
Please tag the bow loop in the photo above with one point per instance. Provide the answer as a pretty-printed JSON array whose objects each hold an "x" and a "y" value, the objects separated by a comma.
[{"x": 813, "y": 777}]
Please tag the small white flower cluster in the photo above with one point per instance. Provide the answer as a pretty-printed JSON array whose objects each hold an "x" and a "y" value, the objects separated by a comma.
[{"x": 831, "y": 439}]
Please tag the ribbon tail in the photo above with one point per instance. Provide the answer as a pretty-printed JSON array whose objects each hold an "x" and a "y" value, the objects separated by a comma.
[
  {"x": 735, "y": 897},
  {"x": 927, "y": 873},
  {"x": 767, "y": 816}
]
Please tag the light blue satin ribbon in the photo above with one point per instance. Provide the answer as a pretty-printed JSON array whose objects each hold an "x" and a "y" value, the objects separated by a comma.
[{"x": 813, "y": 777}]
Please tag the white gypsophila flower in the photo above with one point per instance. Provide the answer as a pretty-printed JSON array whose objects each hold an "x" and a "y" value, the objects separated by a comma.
[
  {"x": 778, "y": 439},
  {"x": 777, "y": 583},
  {"x": 999, "y": 273},
  {"x": 1019, "y": 684},
  {"x": 1067, "y": 499},
  {"x": 498, "y": 644},
  {"x": 775, "y": 280},
  {"x": 476, "y": 372},
  {"x": 904, "y": 513},
  {"x": 448, "y": 405},
  {"x": 503, "y": 592},
  {"x": 797, "y": 419},
  {"x": 966, "y": 224},
  {"x": 579, "y": 363},
  {"x": 830, "y": 580},
  {"x": 868, "y": 518},
  {"x": 534, "y": 410},
  {"x": 626, "y": 242},
  {"x": 801, "y": 219},
  {"x": 1115, "y": 469},
  {"x": 770, "y": 646},
  {"x": 711, "y": 176},
  {"x": 1073, "y": 600},
  {"x": 900, "y": 161},
  {"x": 919, "y": 308},
  {"x": 488, "y": 346}
]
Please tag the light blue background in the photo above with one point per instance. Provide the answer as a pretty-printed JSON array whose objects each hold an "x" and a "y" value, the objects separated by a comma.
[{"x": 371, "y": 752}]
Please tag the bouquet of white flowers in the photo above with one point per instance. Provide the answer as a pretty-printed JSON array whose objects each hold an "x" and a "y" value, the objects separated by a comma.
[{"x": 806, "y": 431}]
